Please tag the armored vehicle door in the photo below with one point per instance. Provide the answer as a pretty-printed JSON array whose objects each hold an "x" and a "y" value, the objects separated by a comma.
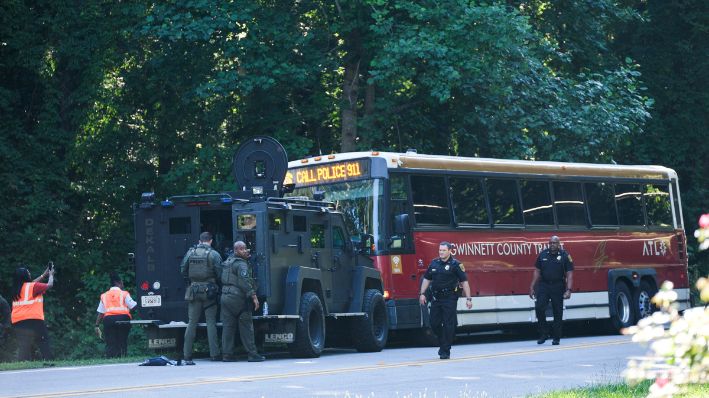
[
  {"x": 251, "y": 227},
  {"x": 321, "y": 254},
  {"x": 163, "y": 235},
  {"x": 342, "y": 262}
]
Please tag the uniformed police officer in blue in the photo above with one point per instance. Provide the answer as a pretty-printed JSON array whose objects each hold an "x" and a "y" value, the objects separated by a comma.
[
  {"x": 444, "y": 275},
  {"x": 552, "y": 280}
]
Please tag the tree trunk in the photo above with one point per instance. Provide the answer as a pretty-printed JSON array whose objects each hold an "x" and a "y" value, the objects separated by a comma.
[{"x": 349, "y": 107}]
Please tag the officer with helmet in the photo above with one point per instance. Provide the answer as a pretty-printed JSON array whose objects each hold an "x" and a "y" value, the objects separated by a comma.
[
  {"x": 238, "y": 296},
  {"x": 201, "y": 265}
]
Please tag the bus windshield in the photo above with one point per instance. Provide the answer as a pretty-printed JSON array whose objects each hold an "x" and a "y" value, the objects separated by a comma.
[{"x": 359, "y": 201}]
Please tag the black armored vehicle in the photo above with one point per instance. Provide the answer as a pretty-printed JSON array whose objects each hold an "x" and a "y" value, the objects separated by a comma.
[{"x": 315, "y": 280}]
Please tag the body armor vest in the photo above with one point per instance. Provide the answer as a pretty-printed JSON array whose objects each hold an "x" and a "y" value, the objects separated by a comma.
[{"x": 200, "y": 270}]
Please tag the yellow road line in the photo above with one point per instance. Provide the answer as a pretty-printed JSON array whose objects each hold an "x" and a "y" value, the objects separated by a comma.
[{"x": 323, "y": 372}]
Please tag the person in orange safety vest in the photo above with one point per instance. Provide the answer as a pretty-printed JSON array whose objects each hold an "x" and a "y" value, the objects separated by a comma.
[
  {"x": 28, "y": 312},
  {"x": 114, "y": 310}
]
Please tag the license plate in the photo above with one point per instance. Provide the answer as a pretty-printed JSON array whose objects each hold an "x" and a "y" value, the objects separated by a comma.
[
  {"x": 279, "y": 338},
  {"x": 151, "y": 301}
]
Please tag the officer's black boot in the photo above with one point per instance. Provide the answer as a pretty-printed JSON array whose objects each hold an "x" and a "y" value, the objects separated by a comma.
[{"x": 256, "y": 358}]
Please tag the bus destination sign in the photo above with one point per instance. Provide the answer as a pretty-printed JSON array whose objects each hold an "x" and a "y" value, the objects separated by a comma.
[{"x": 328, "y": 173}]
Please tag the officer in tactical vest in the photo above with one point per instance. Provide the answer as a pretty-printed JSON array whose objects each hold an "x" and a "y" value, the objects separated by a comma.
[
  {"x": 238, "y": 294},
  {"x": 444, "y": 275},
  {"x": 202, "y": 266},
  {"x": 552, "y": 280}
]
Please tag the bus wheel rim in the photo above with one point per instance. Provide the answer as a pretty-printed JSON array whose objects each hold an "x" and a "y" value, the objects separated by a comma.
[
  {"x": 644, "y": 304},
  {"x": 623, "y": 308}
]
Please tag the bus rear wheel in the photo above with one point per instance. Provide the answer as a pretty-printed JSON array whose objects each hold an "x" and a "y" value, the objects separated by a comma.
[
  {"x": 624, "y": 315},
  {"x": 370, "y": 332},
  {"x": 310, "y": 328}
]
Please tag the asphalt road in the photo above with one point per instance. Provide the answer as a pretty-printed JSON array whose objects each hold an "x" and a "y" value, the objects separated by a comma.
[{"x": 496, "y": 366}]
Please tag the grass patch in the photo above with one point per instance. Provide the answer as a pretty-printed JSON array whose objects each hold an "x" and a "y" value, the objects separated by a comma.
[
  {"x": 624, "y": 391},
  {"x": 4, "y": 366}
]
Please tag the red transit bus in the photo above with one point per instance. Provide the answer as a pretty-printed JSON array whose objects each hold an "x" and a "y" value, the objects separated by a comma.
[{"x": 622, "y": 225}]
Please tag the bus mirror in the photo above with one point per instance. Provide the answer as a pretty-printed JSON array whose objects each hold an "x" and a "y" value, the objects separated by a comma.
[
  {"x": 401, "y": 224},
  {"x": 363, "y": 243}
]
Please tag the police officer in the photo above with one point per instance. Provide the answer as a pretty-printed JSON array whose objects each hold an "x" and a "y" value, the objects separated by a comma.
[
  {"x": 444, "y": 275},
  {"x": 238, "y": 293},
  {"x": 202, "y": 266},
  {"x": 552, "y": 280},
  {"x": 114, "y": 312}
]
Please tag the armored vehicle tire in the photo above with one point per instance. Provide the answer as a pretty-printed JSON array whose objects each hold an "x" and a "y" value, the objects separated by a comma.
[
  {"x": 370, "y": 332},
  {"x": 642, "y": 299},
  {"x": 622, "y": 301},
  {"x": 310, "y": 328}
]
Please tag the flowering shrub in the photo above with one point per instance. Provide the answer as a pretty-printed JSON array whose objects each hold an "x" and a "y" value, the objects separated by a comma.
[
  {"x": 678, "y": 344},
  {"x": 702, "y": 234}
]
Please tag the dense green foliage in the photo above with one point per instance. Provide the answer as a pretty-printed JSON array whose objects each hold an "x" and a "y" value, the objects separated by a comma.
[{"x": 102, "y": 100}]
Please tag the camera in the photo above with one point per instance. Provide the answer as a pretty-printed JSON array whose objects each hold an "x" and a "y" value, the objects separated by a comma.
[{"x": 50, "y": 265}]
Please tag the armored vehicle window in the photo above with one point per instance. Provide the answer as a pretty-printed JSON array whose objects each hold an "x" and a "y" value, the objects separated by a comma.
[
  {"x": 430, "y": 200},
  {"x": 568, "y": 200},
  {"x": 246, "y": 221},
  {"x": 504, "y": 201},
  {"x": 536, "y": 202},
  {"x": 274, "y": 222},
  {"x": 299, "y": 224},
  {"x": 468, "y": 201},
  {"x": 317, "y": 236},
  {"x": 601, "y": 203},
  {"x": 630, "y": 204},
  {"x": 338, "y": 238},
  {"x": 657, "y": 205},
  {"x": 180, "y": 226}
]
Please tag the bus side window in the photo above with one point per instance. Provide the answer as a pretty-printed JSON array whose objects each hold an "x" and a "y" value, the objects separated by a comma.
[
  {"x": 568, "y": 202},
  {"x": 468, "y": 201},
  {"x": 630, "y": 204},
  {"x": 536, "y": 202},
  {"x": 504, "y": 201},
  {"x": 430, "y": 200},
  {"x": 657, "y": 205},
  {"x": 678, "y": 210},
  {"x": 601, "y": 204}
]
